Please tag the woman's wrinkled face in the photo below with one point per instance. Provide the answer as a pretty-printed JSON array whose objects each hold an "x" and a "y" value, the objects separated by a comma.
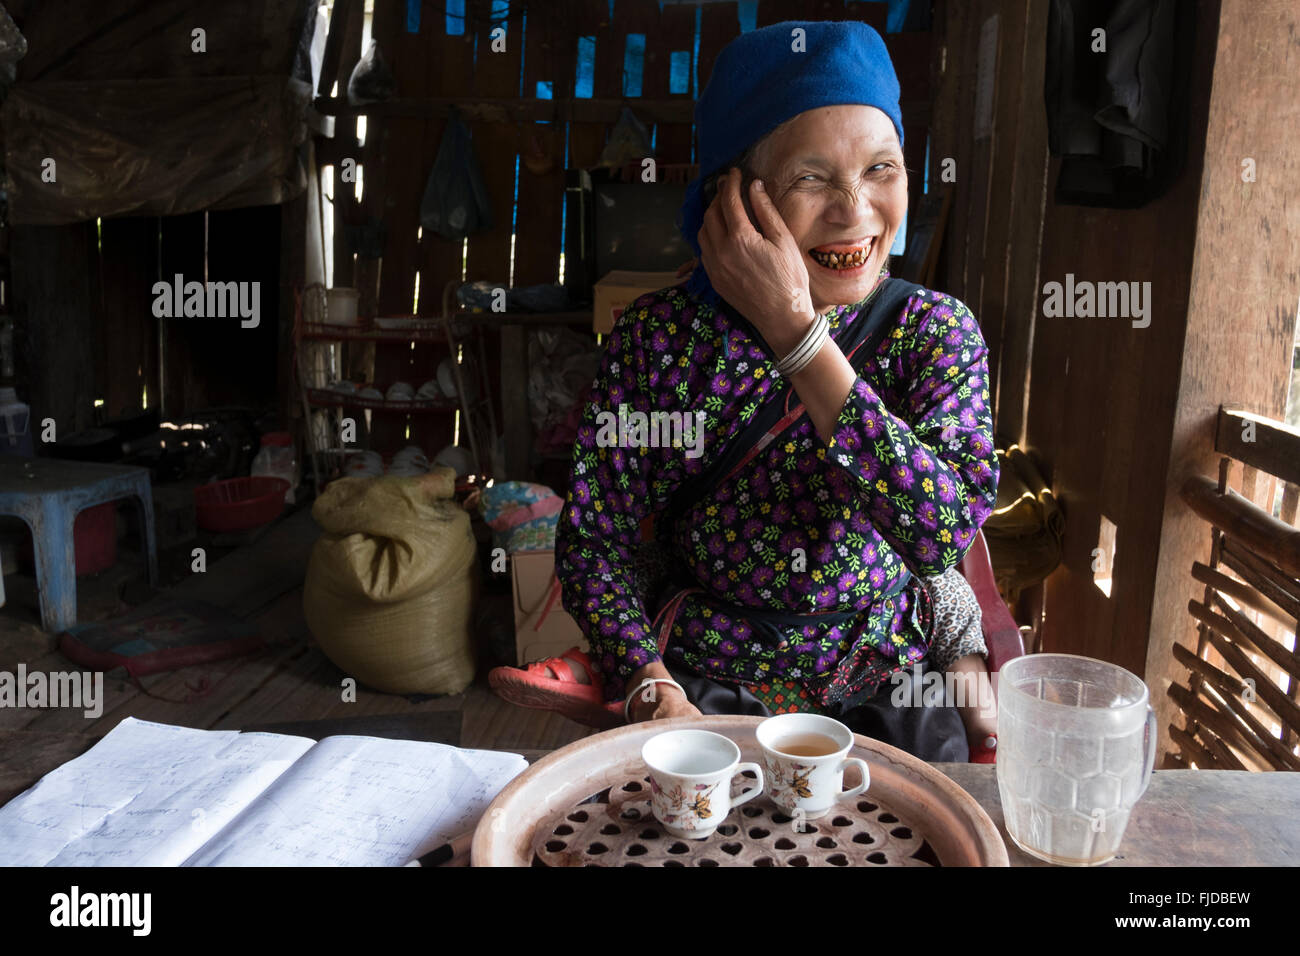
[{"x": 836, "y": 175}]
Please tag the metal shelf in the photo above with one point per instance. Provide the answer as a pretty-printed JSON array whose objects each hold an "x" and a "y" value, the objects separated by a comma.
[
  {"x": 463, "y": 324},
  {"x": 325, "y": 398},
  {"x": 432, "y": 332},
  {"x": 454, "y": 329}
]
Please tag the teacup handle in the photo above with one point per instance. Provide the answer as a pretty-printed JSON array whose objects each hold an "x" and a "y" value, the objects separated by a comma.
[
  {"x": 866, "y": 776},
  {"x": 748, "y": 794},
  {"x": 1151, "y": 736}
]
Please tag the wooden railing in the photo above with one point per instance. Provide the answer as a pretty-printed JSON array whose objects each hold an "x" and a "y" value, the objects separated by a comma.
[{"x": 1241, "y": 703}]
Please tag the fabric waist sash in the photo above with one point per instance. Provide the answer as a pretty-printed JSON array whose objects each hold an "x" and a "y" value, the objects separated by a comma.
[{"x": 775, "y": 619}]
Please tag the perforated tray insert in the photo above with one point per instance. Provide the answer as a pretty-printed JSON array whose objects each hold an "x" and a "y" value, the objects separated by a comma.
[{"x": 616, "y": 827}]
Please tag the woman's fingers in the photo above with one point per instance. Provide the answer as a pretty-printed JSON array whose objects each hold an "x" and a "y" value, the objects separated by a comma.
[
  {"x": 715, "y": 248},
  {"x": 769, "y": 218},
  {"x": 713, "y": 216},
  {"x": 705, "y": 239},
  {"x": 675, "y": 707},
  {"x": 733, "y": 207}
]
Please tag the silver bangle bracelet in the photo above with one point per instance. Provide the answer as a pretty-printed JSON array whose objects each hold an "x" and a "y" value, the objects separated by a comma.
[
  {"x": 803, "y": 353},
  {"x": 813, "y": 348},
  {"x": 648, "y": 682},
  {"x": 794, "y": 355},
  {"x": 807, "y": 346}
]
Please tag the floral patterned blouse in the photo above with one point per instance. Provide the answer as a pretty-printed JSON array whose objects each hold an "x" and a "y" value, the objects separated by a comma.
[{"x": 806, "y": 526}]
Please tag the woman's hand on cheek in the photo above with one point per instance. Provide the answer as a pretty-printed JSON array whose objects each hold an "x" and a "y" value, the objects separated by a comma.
[{"x": 761, "y": 274}]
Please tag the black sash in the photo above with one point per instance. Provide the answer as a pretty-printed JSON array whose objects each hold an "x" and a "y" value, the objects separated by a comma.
[{"x": 862, "y": 335}]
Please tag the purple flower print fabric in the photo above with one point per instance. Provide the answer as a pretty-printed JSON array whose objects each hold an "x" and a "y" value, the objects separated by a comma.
[{"x": 805, "y": 526}]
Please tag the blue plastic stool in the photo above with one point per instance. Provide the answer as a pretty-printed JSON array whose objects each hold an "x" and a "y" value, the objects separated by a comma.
[{"x": 47, "y": 494}]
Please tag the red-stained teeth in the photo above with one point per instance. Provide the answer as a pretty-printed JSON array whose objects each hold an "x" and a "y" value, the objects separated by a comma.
[{"x": 841, "y": 260}]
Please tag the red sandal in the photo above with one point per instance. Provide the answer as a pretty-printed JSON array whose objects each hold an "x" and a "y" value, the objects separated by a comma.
[{"x": 532, "y": 687}]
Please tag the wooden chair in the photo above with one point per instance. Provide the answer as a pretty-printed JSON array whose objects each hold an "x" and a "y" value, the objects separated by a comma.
[{"x": 1240, "y": 701}]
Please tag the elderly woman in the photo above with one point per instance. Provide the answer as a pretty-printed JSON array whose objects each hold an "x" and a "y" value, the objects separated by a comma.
[{"x": 847, "y": 456}]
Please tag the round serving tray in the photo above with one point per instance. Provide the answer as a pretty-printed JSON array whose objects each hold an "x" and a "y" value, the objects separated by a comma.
[{"x": 587, "y": 804}]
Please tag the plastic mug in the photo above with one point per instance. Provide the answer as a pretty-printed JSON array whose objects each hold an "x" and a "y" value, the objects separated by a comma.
[
  {"x": 690, "y": 780},
  {"x": 1076, "y": 747}
]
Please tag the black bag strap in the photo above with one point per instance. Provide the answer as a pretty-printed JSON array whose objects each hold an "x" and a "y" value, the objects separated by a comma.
[{"x": 863, "y": 335}]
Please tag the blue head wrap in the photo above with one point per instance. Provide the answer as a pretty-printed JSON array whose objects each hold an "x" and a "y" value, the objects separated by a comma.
[{"x": 759, "y": 81}]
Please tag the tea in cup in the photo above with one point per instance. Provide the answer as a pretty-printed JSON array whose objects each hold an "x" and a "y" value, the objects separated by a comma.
[
  {"x": 805, "y": 756},
  {"x": 690, "y": 780}
]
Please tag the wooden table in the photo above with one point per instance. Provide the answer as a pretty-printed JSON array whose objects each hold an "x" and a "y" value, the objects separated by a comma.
[{"x": 1186, "y": 818}]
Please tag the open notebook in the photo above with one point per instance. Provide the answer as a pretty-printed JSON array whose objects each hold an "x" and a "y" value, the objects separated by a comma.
[{"x": 152, "y": 794}]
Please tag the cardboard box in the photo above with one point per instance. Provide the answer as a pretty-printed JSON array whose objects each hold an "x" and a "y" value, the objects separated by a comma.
[
  {"x": 619, "y": 289},
  {"x": 542, "y": 627}
]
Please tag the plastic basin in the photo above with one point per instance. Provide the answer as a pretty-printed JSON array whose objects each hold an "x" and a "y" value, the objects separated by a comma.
[{"x": 239, "y": 504}]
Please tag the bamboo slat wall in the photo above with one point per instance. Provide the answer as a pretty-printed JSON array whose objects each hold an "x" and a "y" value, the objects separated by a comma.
[{"x": 1240, "y": 706}]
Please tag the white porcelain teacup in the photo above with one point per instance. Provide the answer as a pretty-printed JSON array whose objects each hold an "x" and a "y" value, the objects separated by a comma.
[
  {"x": 690, "y": 780},
  {"x": 805, "y": 756}
]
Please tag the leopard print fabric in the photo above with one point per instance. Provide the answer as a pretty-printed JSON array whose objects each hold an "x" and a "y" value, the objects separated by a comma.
[{"x": 957, "y": 624}]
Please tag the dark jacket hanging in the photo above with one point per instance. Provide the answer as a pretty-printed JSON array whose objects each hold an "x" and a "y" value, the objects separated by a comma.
[{"x": 1117, "y": 115}]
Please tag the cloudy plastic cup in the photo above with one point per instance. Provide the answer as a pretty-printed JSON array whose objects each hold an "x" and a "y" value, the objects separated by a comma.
[{"x": 1076, "y": 747}]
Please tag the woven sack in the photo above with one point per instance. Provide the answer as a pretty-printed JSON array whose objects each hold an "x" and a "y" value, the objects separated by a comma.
[
  {"x": 392, "y": 583},
  {"x": 1025, "y": 531}
]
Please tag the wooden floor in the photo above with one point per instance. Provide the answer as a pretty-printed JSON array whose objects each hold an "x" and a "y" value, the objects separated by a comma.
[{"x": 291, "y": 680}]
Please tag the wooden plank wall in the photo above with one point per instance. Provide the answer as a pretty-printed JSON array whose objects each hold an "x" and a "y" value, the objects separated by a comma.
[
  {"x": 953, "y": 142},
  {"x": 1242, "y": 316},
  {"x": 430, "y": 63},
  {"x": 85, "y": 306},
  {"x": 53, "y": 289},
  {"x": 1018, "y": 230},
  {"x": 1117, "y": 416},
  {"x": 990, "y": 255},
  {"x": 83, "y": 297},
  {"x": 674, "y": 141},
  {"x": 130, "y": 248},
  {"x": 1103, "y": 395}
]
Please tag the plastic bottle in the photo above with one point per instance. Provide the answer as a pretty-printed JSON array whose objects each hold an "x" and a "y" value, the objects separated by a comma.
[
  {"x": 15, "y": 425},
  {"x": 277, "y": 459}
]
